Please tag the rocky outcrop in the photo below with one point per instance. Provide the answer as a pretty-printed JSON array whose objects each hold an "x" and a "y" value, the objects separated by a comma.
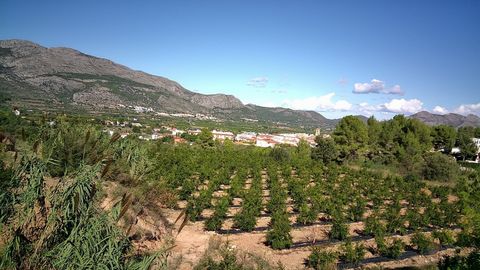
[{"x": 217, "y": 101}]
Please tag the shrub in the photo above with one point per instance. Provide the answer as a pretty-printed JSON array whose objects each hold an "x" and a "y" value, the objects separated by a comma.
[
  {"x": 422, "y": 242},
  {"x": 215, "y": 222},
  {"x": 457, "y": 262},
  {"x": 392, "y": 250},
  {"x": 352, "y": 253},
  {"x": 321, "y": 259},
  {"x": 374, "y": 227},
  {"x": 445, "y": 237},
  {"x": 439, "y": 167},
  {"x": 325, "y": 151},
  {"x": 339, "y": 230},
  {"x": 279, "y": 236},
  {"x": 245, "y": 220},
  {"x": 280, "y": 154},
  {"x": 307, "y": 215}
]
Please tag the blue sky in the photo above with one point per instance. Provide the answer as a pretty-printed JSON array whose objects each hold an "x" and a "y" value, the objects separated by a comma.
[{"x": 335, "y": 57}]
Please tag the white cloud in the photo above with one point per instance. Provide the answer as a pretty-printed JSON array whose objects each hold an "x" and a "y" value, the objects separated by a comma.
[
  {"x": 376, "y": 86},
  {"x": 259, "y": 82},
  {"x": 403, "y": 106},
  {"x": 440, "y": 110},
  {"x": 321, "y": 103},
  {"x": 395, "y": 90},
  {"x": 367, "y": 109},
  {"x": 468, "y": 109},
  {"x": 279, "y": 91}
]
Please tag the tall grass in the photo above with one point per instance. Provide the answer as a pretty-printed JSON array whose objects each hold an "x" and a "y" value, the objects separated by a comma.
[{"x": 61, "y": 226}]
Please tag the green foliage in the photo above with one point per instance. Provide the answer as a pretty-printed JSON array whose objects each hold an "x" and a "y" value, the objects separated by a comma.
[
  {"x": 280, "y": 154},
  {"x": 457, "y": 262},
  {"x": 351, "y": 136},
  {"x": 215, "y": 222},
  {"x": 465, "y": 143},
  {"x": 279, "y": 235},
  {"x": 68, "y": 145},
  {"x": 392, "y": 250},
  {"x": 74, "y": 233},
  {"x": 439, "y": 167},
  {"x": 228, "y": 261},
  {"x": 7, "y": 196},
  {"x": 374, "y": 227},
  {"x": 245, "y": 220},
  {"x": 325, "y": 151},
  {"x": 320, "y": 259},
  {"x": 423, "y": 243},
  {"x": 443, "y": 137},
  {"x": 353, "y": 254},
  {"x": 339, "y": 230},
  {"x": 445, "y": 237},
  {"x": 307, "y": 215},
  {"x": 205, "y": 138}
]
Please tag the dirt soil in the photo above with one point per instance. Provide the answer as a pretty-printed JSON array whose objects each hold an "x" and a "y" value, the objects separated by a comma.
[
  {"x": 154, "y": 224},
  {"x": 193, "y": 240}
]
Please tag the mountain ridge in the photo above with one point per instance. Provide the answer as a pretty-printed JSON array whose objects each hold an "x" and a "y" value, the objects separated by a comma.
[
  {"x": 64, "y": 78},
  {"x": 451, "y": 119}
]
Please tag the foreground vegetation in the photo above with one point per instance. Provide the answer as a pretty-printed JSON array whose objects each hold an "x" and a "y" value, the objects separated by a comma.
[{"x": 52, "y": 179}]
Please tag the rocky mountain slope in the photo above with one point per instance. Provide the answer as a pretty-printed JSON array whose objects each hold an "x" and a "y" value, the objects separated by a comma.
[
  {"x": 451, "y": 119},
  {"x": 66, "y": 79}
]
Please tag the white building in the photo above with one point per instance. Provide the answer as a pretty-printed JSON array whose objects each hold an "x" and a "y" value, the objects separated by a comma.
[
  {"x": 222, "y": 135},
  {"x": 246, "y": 137},
  {"x": 265, "y": 140}
]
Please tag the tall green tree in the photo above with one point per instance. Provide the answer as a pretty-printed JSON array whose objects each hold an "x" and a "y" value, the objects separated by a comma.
[
  {"x": 351, "y": 137},
  {"x": 205, "y": 138},
  {"x": 325, "y": 151},
  {"x": 465, "y": 142},
  {"x": 443, "y": 137}
]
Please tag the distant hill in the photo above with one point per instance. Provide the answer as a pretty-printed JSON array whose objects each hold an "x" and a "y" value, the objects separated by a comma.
[
  {"x": 66, "y": 79},
  {"x": 451, "y": 119}
]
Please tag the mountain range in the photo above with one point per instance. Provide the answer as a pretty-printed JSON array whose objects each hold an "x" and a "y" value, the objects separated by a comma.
[
  {"x": 451, "y": 119},
  {"x": 43, "y": 78},
  {"x": 36, "y": 77}
]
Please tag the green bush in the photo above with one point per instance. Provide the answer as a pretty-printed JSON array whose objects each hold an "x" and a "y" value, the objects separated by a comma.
[
  {"x": 353, "y": 254},
  {"x": 445, "y": 237},
  {"x": 423, "y": 243},
  {"x": 307, "y": 215},
  {"x": 339, "y": 230},
  {"x": 457, "y": 262},
  {"x": 439, "y": 167},
  {"x": 279, "y": 235},
  {"x": 245, "y": 220},
  {"x": 215, "y": 222},
  {"x": 322, "y": 259},
  {"x": 374, "y": 227},
  {"x": 392, "y": 250}
]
